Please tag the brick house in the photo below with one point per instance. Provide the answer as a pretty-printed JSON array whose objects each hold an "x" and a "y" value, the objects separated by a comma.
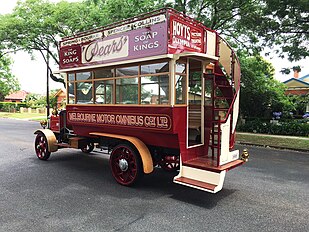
[
  {"x": 19, "y": 96},
  {"x": 298, "y": 86},
  {"x": 61, "y": 97}
]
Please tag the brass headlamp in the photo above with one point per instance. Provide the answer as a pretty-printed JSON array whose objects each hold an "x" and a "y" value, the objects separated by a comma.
[
  {"x": 43, "y": 123},
  {"x": 245, "y": 155}
]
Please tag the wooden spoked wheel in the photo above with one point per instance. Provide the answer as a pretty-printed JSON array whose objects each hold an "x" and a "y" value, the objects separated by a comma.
[
  {"x": 125, "y": 164},
  {"x": 41, "y": 147}
]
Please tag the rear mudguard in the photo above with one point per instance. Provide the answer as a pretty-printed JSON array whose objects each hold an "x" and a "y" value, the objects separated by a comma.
[{"x": 139, "y": 145}]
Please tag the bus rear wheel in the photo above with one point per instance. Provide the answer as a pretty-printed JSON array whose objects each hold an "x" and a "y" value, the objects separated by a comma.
[
  {"x": 88, "y": 148},
  {"x": 170, "y": 163},
  {"x": 41, "y": 147},
  {"x": 126, "y": 165}
]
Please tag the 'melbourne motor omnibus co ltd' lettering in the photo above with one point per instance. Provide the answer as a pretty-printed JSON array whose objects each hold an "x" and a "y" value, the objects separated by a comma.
[{"x": 148, "y": 121}]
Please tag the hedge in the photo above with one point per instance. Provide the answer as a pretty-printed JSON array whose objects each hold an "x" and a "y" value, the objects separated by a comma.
[
  {"x": 8, "y": 106},
  {"x": 292, "y": 127}
]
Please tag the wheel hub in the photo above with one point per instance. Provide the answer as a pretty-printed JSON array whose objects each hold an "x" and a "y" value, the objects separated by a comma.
[{"x": 123, "y": 164}]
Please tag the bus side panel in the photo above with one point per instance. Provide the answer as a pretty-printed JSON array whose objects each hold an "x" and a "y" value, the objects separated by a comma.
[{"x": 152, "y": 125}]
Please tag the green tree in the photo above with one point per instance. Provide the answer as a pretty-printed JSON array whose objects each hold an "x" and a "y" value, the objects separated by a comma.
[
  {"x": 116, "y": 10},
  {"x": 285, "y": 23},
  {"x": 37, "y": 25},
  {"x": 282, "y": 25},
  {"x": 34, "y": 100},
  {"x": 8, "y": 83},
  {"x": 261, "y": 94}
]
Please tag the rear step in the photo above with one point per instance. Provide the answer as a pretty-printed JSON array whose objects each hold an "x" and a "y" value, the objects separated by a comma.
[
  {"x": 195, "y": 183},
  {"x": 205, "y": 180}
]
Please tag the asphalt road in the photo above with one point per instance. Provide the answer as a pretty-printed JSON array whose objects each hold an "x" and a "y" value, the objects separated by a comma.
[{"x": 76, "y": 192}]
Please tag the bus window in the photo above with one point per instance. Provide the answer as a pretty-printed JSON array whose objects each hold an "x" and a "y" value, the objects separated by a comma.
[
  {"x": 71, "y": 77},
  {"x": 155, "y": 89},
  {"x": 71, "y": 93},
  {"x": 104, "y": 92},
  {"x": 155, "y": 68},
  {"x": 181, "y": 68},
  {"x": 103, "y": 73},
  {"x": 83, "y": 76},
  {"x": 127, "y": 90},
  {"x": 127, "y": 71},
  {"x": 180, "y": 82},
  {"x": 164, "y": 87},
  {"x": 84, "y": 93},
  {"x": 180, "y": 88}
]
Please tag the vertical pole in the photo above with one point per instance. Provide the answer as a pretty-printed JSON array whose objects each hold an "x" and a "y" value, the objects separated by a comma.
[
  {"x": 219, "y": 141},
  {"x": 47, "y": 81}
]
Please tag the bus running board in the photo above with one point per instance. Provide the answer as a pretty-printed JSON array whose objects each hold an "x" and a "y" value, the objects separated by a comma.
[{"x": 200, "y": 179}]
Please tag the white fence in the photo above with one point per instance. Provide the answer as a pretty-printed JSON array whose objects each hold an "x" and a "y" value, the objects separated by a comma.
[{"x": 33, "y": 111}]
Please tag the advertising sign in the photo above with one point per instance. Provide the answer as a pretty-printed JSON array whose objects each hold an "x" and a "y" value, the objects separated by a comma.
[
  {"x": 185, "y": 37},
  {"x": 139, "y": 39}
]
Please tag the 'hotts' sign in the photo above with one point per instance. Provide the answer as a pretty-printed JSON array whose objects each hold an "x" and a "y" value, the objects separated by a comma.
[
  {"x": 185, "y": 37},
  {"x": 157, "y": 121}
]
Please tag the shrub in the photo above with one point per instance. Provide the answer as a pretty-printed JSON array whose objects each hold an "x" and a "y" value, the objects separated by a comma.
[
  {"x": 11, "y": 106},
  {"x": 292, "y": 127}
]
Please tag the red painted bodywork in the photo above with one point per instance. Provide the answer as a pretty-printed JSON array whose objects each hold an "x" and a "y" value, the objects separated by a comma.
[
  {"x": 54, "y": 123},
  {"x": 175, "y": 136},
  {"x": 150, "y": 136}
]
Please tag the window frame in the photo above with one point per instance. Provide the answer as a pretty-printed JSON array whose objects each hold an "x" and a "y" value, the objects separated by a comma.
[{"x": 95, "y": 79}]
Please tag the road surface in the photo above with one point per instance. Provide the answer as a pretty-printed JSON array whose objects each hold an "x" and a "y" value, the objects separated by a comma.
[{"x": 73, "y": 191}]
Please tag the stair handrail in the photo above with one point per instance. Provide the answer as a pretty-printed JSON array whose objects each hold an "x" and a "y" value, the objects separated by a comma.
[{"x": 237, "y": 88}]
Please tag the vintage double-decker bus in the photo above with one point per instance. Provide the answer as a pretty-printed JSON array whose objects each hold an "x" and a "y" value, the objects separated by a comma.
[{"x": 159, "y": 89}]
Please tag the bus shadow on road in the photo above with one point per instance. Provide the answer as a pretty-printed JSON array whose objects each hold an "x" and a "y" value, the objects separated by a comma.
[
  {"x": 93, "y": 172},
  {"x": 161, "y": 182}
]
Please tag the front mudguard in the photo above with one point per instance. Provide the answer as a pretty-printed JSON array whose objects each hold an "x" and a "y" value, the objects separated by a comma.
[{"x": 50, "y": 137}]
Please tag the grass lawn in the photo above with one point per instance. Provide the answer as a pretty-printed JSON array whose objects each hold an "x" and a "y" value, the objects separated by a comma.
[
  {"x": 288, "y": 142},
  {"x": 32, "y": 116}
]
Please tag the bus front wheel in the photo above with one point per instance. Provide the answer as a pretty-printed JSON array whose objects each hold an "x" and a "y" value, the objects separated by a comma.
[
  {"x": 126, "y": 164},
  {"x": 41, "y": 147}
]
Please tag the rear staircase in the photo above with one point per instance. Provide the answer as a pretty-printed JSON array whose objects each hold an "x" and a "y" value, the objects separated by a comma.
[{"x": 207, "y": 171}]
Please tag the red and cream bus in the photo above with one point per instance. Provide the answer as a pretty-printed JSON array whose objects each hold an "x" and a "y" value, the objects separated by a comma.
[{"x": 160, "y": 89}]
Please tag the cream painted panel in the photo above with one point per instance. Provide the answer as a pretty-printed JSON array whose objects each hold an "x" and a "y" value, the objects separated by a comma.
[
  {"x": 211, "y": 43},
  {"x": 225, "y": 56},
  {"x": 235, "y": 112},
  {"x": 225, "y": 141}
]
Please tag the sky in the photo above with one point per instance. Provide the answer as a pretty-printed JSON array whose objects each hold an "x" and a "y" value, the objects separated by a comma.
[{"x": 32, "y": 73}]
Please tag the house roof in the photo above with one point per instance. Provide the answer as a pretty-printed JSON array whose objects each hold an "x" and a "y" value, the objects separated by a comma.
[
  {"x": 19, "y": 95},
  {"x": 297, "y": 82},
  {"x": 305, "y": 78},
  {"x": 60, "y": 91}
]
